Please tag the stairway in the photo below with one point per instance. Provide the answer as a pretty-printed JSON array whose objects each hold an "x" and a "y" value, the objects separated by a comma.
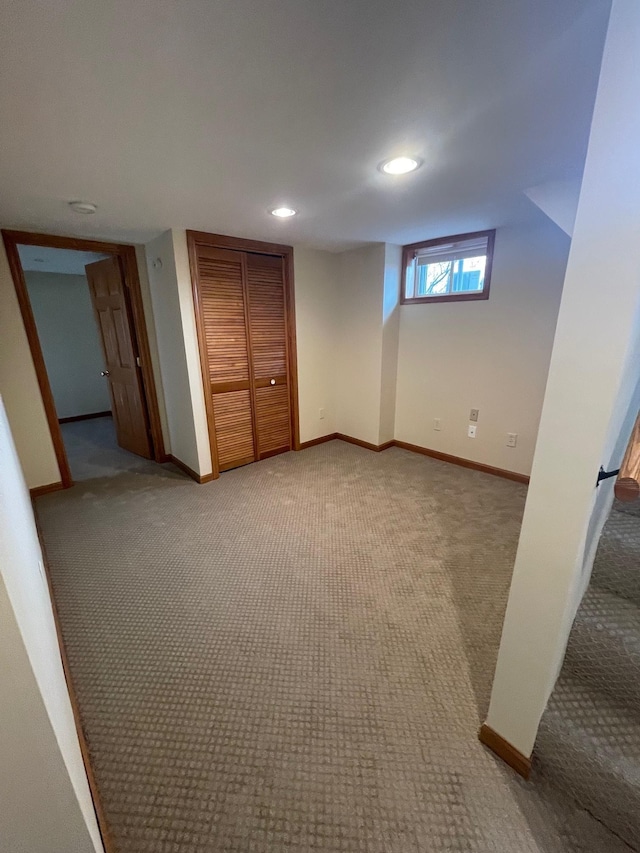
[{"x": 589, "y": 740}]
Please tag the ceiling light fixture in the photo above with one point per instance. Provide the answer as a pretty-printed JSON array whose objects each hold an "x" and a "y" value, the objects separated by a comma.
[
  {"x": 83, "y": 207},
  {"x": 400, "y": 165},
  {"x": 283, "y": 212}
]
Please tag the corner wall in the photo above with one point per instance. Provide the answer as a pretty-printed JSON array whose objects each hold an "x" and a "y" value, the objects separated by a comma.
[
  {"x": 390, "y": 341},
  {"x": 590, "y": 402},
  {"x": 489, "y": 355},
  {"x": 316, "y": 294},
  {"x": 359, "y": 347},
  {"x": 173, "y": 310}
]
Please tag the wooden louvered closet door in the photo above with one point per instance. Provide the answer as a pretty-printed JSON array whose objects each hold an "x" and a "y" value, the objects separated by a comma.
[
  {"x": 222, "y": 306},
  {"x": 269, "y": 357},
  {"x": 243, "y": 330}
]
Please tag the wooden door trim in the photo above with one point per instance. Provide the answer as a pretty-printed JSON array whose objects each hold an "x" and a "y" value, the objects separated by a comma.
[
  {"x": 239, "y": 244},
  {"x": 127, "y": 254},
  {"x": 220, "y": 241},
  {"x": 17, "y": 273}
]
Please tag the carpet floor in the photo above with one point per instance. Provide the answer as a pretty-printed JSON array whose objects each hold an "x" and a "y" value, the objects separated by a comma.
[
  {"x": 589, "y": 739},
  {"x": 297, "y": 657},
  {"x": 93, "y": 451}
]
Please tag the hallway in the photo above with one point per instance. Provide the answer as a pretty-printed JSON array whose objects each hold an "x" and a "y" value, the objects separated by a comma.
[{"x": 93, "y": 451}]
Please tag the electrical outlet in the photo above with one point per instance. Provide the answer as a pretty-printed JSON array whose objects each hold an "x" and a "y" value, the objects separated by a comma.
[
  {"x": 512, "y": 439},
  {"x": 473, "y": 415},
  {"x": 471, "y": 431},
  {"x": 437, "y": 423},
  {"x": 321, "y": 414}
]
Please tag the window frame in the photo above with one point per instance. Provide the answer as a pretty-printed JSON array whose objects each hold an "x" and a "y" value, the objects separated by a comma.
[{"x": 461, "y": 296}]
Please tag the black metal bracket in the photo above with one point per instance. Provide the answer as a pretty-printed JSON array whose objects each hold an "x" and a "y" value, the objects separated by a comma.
[{"x": 604, "y": 475}]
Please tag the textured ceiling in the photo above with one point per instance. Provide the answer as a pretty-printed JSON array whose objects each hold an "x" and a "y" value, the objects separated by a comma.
[{"x": 205, "y": 113}]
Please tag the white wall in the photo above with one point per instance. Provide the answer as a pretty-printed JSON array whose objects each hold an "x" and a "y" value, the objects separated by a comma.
[
  {"x": 590, "y": 400},
  {"x": 192, "y": 350},
  {"x": 70, "y": 342},
  {"x": 390, "y": 341},
  {"x": 359, "y": 347},
  {"x": 20, "y": 390},
  {"x": 558, "y": 200},
  {"x": 490, "y": 355},
  {"x": 317, "y": 320},
  {"x": 45, "y": 803},
  {"x": 171, "y": 296}
]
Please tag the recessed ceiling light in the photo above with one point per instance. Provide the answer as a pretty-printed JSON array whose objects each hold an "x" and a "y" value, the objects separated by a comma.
[
  {"x": 400, "y": 165},
  {"x": 82, "y": 206},
  {"x": 283, "y": 212}
]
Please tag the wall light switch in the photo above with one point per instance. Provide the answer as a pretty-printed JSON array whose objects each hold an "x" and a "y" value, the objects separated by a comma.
[
  {"x": 437, "y": 423},
  {"x": 471, "y": 432},
  {"x": 321, "y": 414},
  {"x": 512, "y": 439},
  {"x": 473, "y": 415}
]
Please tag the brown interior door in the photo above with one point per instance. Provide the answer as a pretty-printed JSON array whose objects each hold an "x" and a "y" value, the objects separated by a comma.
[
  {"x": 223, "y": 312},
  {"x": 110, "y": 303},
  {"x": 266, "y": 311}
]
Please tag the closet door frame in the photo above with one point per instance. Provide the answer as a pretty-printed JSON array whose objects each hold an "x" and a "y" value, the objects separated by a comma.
[{"x": 220, "y": 241}]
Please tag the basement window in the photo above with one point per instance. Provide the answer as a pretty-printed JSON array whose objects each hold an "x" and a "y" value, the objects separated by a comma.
[{"x": 449, "y": 269}]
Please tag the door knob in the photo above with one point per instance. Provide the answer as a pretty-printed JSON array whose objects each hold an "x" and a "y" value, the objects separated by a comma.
[
  {"x": 104, "y": 373},
  {"x": 273, "y": 381}
]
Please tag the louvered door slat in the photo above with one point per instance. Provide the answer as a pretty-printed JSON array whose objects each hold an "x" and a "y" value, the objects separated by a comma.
[
  {"x": 222, "y": 309},
  {"x": 234, "y": 428},
  {"x": 222, "y": 302},
  {"x": 268, "y": 336}
]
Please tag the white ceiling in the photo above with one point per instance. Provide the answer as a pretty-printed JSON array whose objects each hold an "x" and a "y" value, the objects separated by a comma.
[
  {"x": 205, "y": 113},
  {"x": 68, "y": 261}
]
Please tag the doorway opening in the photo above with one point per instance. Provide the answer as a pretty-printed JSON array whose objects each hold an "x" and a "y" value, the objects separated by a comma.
[{"x": 82, "y": 309}]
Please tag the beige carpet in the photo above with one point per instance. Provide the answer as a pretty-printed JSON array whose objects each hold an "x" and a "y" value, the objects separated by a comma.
[
  {"x": 297, "y": 656},
  {"x": 589, "y": 739},
  {"x": 93, "y": 451}
]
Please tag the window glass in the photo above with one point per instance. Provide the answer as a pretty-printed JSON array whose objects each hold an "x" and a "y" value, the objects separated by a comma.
[{"x": 451, "y": 268}]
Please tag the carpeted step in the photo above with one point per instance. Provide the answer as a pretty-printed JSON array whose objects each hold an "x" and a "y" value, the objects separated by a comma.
[
  {"x": 617, "y": 564},
  {"x": 590, "y": 748},
  {"x": 604, "y": 648}
]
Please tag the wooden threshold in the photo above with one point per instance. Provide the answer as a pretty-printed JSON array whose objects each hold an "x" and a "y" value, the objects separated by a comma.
[
  {"x": 504, "y": 750},
  {"x": 88, "y": 417},
  {"x": 199, "y": 478},
  {"x": 37, "y": 491},
  {"x": 424, "y": 451}
]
